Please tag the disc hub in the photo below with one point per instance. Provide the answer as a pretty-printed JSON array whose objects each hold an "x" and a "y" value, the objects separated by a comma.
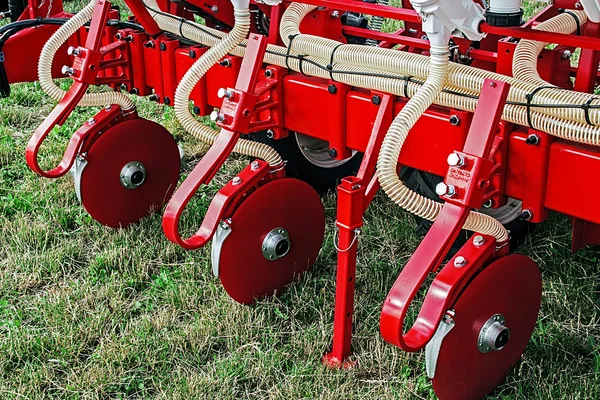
[
  {"x": 276, "y": 244},
  {"x": 133, "y": 175},
  {"x": 493, "y": 335}
]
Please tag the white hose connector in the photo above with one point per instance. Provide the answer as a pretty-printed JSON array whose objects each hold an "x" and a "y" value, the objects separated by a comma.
[
  {"x": 505, "y": 6},
  {"x": 442, "y": 17},
  {"x": 592, "y": 9},
  {"x": 46, "y": 60},
  {"x": 199, "y": 69}
]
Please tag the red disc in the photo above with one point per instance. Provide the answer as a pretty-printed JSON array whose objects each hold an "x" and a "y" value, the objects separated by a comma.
[
  {"x": 103, "y": 194},
  {"x": 284, "y": 203},
  {"x": 510, "y": 286}
]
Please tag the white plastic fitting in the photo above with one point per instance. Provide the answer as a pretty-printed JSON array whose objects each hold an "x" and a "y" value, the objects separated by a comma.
[
  {"x": 505, "y": 6},
  {"x": 592, "y": 9},
  {"x": 441, "y": 18}
]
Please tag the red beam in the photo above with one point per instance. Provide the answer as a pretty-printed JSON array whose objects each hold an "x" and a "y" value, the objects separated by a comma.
[{"x": 402, "y": 14}]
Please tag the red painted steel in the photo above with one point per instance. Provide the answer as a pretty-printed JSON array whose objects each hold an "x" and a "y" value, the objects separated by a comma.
[
  {"x": 510, "y": 286},
  {"x": 212, "y": 161},
  {"x": 64, "y": 108},
  {"x": 351, "y": 205},
  {"x": 436, "y": 244},
  {"x": 244, "y": 271}
]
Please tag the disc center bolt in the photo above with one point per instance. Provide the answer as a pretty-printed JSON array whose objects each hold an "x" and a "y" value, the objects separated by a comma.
[
  {"x": 133, "y": 175},
  {"x": 493, "y": 335},
  {"x": 276, "y": 244}
]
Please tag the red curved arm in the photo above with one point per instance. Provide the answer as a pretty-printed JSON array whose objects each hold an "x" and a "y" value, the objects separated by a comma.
[{"x": 56, "y": 117}]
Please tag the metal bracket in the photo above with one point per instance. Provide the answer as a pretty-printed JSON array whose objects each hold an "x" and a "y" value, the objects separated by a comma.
[
  {"x": 223, "y": 230},
  {"x": 432, "y": 350}
]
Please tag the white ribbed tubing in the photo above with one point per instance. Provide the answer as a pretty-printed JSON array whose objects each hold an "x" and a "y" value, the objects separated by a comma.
[
  {"x": 525, "y": 59},
  {"x": 49, "y": 50},
  {"x": 387, "y": 162}
]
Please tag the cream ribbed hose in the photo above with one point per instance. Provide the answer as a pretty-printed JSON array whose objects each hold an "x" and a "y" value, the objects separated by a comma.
[
  {"x": 525, "y": 59},
  {"x": 199, "y": 69},
  {"x": 49, "y": 50}
]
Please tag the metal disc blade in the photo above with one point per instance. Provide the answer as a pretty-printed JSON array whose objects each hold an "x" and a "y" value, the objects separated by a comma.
[
  {"x": 104, "y": 196},
  {"x": 246, "y": 274},
  {"x": 510, "y": 286}
]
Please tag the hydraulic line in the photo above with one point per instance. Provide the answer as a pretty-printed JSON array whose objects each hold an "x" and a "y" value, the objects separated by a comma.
[
  {"x": 197, "y": 71},
  {"x": 527, "y": 51},
  {"x": 53, "y": 44}
]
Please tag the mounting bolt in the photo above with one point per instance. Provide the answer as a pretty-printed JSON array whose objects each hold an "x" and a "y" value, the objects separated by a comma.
[
  {"x": 526, "y": 215},
  {"x": 153, "y": 97},
  {"x": 196, "y": 110},
  {"x": 128, "y": 39},
  {"x": 133, "y": 91},
  {"x": 217, "y": 116},
  {"x": 66, "y": 70},
  {"x": 566, "y": 55},
  {"x": 532, "y": 139},
  {"x": 214, "y": 9},
  {"x": 254, "y": 165},
  {"x": 332, "y": 153},
  {"x": 123, "y": 86},
  {"x": 445, "y": 190},
  {"x": 167, "y": 100},
  {"x": 456, "y": 160},
  {"x": 226, "y": 93},
  {"x": 493, "y": 84},
  {"x": 268, "y": 73},
  {"x": 335, "y": 14},
  {"x": 478, "y": 240},
  {"x": 376, "y": 100},
  {"x": 118, "y": 36},
  {"x": 236, "y": 181},
  {"x": 192, "y": 54},
  {"x": 225, "y": 63},
  {"x": 488, "y": 204},
  {"x": 149, "y": 44},
  {"x": 578, "y": 5},
  {"x": 73, "y": 51},
  {"x": 163, "y": 47},
  {"x": 454, "y": 120},
  {"x": 91, "y": 121},
  {"x": 460, "y": 261},
  {"x": 270, "y": 134},
  {"x": 332, "y": 89}
]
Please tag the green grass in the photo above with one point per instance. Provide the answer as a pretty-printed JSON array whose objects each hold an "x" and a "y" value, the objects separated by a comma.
[{"x": 90, "y": 312}]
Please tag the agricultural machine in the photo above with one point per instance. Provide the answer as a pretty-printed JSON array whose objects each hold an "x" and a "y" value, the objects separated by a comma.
[{"x": 463, "y": 116}]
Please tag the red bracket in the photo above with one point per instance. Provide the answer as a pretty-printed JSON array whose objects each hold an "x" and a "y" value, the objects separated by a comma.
[
  {"x": 214, "y": 159},
  {"x": 470, "y": 180},
  {"x": 68, "y": 104}
]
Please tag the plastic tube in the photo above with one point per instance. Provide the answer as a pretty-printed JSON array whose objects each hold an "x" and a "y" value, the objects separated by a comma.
[
  {"x": 526, "y": 55},
  {"x": 197, "y": 71},
  {"x": 387, "y": 162},
  {"x": 578, "y": 131},
  {"x": 49, "y": 50},
  {"x": 404, "y": 63}
]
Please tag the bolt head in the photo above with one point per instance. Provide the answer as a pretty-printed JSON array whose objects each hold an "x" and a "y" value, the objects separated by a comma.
[
  {"x": 455, "y": 160},
  {"x": 237, "y": 180},
  {"x": 441, "y": 189},
  {"x": 460, "y": 261},
  {"x": 254, "y": 165},
  {"x": 566, "y": 54},
  {"x": 91, "y": 121},
  {"x": 335, "y": 14},
  {"x": 478, "y": 240},
  {"x": 454, "y": 120},
  {"x": 214, "y": 9},
  {"x": 66, "y": 70}
]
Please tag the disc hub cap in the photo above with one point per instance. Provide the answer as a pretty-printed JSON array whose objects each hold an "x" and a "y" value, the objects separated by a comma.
[
  {"x": 276, "y": 244},
  {"x": 133, "y": 175},
  {"x": 493, "y": 335}
]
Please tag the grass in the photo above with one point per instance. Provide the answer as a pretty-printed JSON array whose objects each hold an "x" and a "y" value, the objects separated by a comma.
[{"x": 88, "y": 312}]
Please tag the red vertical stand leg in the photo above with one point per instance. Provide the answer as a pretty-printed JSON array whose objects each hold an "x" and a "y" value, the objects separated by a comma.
[
  {"x": 353, "y": 199},
  {"x": 349, "y": 221}
]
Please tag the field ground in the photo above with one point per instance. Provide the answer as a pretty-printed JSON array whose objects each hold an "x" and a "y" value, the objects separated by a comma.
[{"x": 89, "y": 312}]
